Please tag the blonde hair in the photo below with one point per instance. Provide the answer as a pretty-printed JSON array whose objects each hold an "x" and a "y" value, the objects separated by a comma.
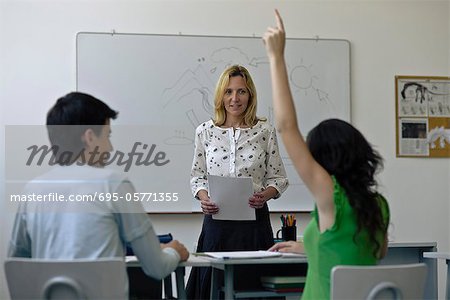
[{"x": 220, "y": 114}]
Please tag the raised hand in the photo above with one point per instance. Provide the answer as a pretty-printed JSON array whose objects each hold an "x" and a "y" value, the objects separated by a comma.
[{"x": 275, "y": 37}]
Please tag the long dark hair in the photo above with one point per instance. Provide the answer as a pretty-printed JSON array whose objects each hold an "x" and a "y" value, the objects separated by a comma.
[{"x": 344, "y": 152}]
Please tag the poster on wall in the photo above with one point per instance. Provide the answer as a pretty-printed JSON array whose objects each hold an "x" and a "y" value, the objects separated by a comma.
[{"x": 422, "y": 116}]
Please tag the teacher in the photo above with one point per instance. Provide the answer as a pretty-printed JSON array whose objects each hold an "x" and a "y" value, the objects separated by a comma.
[{"x": 236, "y": 143}]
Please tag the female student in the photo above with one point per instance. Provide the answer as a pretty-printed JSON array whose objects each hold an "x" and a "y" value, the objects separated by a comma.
[
  {"x": 236, "y": 143},
  {"x": 337, "y": 164}
]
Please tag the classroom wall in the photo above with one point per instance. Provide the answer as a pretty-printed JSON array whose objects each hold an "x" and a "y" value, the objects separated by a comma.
[{"x": 388, "y": 38}]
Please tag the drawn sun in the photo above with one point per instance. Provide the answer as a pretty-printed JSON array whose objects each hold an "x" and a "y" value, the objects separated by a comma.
[{"x": 303, "y": 78}]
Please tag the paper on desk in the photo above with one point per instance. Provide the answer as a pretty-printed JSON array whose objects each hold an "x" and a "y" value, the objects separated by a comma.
[
  {"x": 231, "y": 195},
  {"x": 243, "y": 254},
  {"x": 290, "y": 255}
]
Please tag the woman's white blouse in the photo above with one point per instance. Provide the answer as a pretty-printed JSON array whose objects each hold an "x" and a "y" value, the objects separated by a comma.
[{"x": 249, "y": 152}]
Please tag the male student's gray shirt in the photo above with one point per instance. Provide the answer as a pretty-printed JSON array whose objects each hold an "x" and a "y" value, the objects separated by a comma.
[{"x": 87, "y": 229}]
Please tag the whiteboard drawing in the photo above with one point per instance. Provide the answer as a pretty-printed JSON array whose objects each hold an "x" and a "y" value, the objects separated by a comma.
[
  {"x": 304, "y": 79},
  {"x": 164, "y": 85},
  {"x": 191, "y": 93},
  {"x": 194, "y": 86},
  {"x": 179, "y": 138},
  {"x": 190, "y": 81},
  {"x": 229, "y": 56}
]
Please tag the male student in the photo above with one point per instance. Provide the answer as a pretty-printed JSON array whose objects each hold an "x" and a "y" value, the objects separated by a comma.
[{"x": 91, "y": 229}]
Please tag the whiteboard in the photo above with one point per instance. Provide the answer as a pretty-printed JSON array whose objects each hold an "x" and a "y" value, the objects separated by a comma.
[{"x": 163, "y": 87}]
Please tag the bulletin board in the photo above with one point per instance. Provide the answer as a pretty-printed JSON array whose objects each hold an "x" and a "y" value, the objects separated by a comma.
[
  {"x": 163, "y": 87},
  {"x": 422, "y": 116}
]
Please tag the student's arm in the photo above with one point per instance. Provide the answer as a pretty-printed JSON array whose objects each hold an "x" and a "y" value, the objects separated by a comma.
[
  {"x": 288, "y": 247},
  {"x": 136, "y": 229},
  {"x": 158, "y": 260},
  {"x": 384, "y": 248},
  {"x": 316, "y": 178}
]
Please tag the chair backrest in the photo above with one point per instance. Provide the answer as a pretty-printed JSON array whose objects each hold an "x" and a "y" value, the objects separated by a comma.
[
  {"x": 378, "y": 282},
  {"x": 63, "y": 279}
]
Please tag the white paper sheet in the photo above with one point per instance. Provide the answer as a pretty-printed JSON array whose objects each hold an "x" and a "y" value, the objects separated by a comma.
[
  {"x": 231, "y": 195},
  {"x": 290, "y": 255}
]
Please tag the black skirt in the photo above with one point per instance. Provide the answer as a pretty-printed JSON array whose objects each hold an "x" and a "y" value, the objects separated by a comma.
[{"x": 219, "y": 235}]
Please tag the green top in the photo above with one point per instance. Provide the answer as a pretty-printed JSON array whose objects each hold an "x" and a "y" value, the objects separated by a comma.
[{"x": 335, "y": 246}]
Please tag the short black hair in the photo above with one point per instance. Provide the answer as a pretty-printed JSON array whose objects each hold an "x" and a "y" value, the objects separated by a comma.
[
  {"x": 79, "y": 109},
  {"x": 69, "y": 118}
]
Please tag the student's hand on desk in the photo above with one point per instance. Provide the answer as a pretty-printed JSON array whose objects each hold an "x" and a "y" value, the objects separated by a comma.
[
  {"x": 179, "y": 247},
  {"x": 288, "y": 247},
  {"x": 208, "y": 207}
]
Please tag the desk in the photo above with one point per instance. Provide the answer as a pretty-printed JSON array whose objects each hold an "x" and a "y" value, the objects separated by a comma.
[
  {"x": 446, "y": 256},
  {"x": 193, "y": 261},
  {"x": 227, "y": 266},
  {"x": 398, "y": 253}
]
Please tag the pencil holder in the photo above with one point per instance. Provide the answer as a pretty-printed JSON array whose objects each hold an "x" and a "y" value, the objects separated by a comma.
[{"x": 288, "y": 233}]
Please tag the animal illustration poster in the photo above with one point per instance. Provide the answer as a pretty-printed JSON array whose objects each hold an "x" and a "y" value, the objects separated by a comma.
[{"x": 423, "y": 116}]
